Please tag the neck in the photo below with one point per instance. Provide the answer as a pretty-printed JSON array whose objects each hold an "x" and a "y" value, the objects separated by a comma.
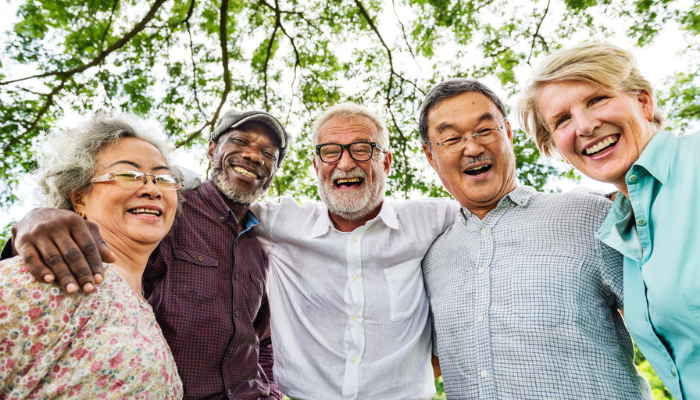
[
  {"x": 622, "y": 187},
  {"x": 130, "y": 261},
  {"x": 239, "y": 210},
  {"x": 346, "y": 225}
]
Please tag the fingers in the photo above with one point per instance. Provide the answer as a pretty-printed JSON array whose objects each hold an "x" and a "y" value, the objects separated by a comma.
[
  {"x": 36, "y": 266},
  {"x": 49, "y": 257},
  {"x": 60, "y": 244}
]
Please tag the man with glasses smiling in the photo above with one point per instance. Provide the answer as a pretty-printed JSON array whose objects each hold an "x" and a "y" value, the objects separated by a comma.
[
  {"x": 349, "y": 310},
  {"x": 524, "y": 298}
]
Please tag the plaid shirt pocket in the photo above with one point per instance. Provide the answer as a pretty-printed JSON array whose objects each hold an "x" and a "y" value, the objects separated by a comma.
[{"x": 194, "y": 275}]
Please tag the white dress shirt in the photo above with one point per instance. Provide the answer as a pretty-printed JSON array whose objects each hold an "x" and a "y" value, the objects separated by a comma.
[{"x": 349, "y": 312}]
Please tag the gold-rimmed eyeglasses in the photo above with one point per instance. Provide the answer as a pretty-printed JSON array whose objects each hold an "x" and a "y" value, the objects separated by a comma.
[{"x": 134, "y": 179}]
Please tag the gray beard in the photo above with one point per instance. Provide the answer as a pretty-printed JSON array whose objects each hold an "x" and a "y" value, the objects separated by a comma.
[
  {"x": 220, "y": 180},
  {"x": 355, "y": 205}
]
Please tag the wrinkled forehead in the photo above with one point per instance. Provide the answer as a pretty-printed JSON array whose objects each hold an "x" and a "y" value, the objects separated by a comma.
[{"x": 348, "y": 129}]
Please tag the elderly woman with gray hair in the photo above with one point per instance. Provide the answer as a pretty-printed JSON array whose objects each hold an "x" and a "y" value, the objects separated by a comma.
[
  {"x": 591, "y": 104},
  {"x": 106, "y": 344}
]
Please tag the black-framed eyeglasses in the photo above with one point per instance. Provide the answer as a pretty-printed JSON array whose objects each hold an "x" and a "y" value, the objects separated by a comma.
[
  {"x": 484, "y": 136},
  {"x": 133, "y": 179},
  {"x": 359, "y": 151}
]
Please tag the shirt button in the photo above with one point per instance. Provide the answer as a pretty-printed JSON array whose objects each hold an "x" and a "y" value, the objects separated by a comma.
[
  {"x": 484, "y": 374},
  {"x": 482, "y": 231},
  {"x": 673, "y": 371},
  {"x": 480, "y": 318},
  {"x": 646, "y": 317},
  {"x": 512, "y": 205},
  {"x": 481, "y": 270},
  {"x": 354, "y": 239},
  {"x": 632, "y": 179},
  {"x": 200, "y": 258},
  {"x": 236, "y": 276},
  {"x": 237, "y": 313},
  {"x": 230, "y": 392},
  {"x": 641, "y": 221},
  {"x": 230, "y": 350},
  {"x": 353, "y": 360},
  {"x": 221, "y": 219},
  {"x": 354, "y": 279},
  {"x": 353, "y": 318}
]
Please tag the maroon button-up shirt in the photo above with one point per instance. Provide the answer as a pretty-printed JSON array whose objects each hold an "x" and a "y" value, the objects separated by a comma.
[{"x": 206, "y": 283}]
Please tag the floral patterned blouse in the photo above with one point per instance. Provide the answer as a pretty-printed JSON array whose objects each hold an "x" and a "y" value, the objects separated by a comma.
[{"x": 103, "y": 345}]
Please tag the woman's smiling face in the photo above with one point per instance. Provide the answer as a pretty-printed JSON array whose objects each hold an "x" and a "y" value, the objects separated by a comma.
[{"x": 600, "y": 132}]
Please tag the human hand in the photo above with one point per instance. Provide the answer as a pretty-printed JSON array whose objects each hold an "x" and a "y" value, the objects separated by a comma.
[{"x": 59, "y": 244}]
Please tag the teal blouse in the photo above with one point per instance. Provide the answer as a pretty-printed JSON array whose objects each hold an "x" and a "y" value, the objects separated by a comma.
[{"x": 658, "y": 231}]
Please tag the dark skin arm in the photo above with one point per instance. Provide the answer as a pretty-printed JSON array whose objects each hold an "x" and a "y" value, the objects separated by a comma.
[
  {"x": 436, "y": 366},
  {"x": 59, "y": 245}
]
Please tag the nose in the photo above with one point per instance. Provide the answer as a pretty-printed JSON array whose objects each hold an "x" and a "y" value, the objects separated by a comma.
[
  {"x": 346, "y": 163},
  {"x": 583, "y": 122},
  {"x": 254, "y": 154},
  {"x": 472, "y": 148},
  {"x": 149, "y": 188}
]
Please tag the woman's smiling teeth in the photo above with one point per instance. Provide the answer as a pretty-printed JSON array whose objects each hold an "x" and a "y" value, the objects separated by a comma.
[
  {"x": 245, "y": 172},
  {"x": 144, "y": 211},
  {"x": 611, "y": 140}
]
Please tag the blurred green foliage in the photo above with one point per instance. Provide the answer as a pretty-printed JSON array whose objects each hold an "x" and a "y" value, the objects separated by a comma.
[{"x": 184, "y": 62}]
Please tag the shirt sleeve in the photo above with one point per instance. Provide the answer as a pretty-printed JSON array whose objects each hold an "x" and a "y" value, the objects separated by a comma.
[
  {"x": 7, "y": 250},
  {"x": 611, "y": 275}
]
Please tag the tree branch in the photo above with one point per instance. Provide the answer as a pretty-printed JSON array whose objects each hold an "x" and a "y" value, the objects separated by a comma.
[
  {"x": 403, "y": 31},
  {"x": 267, "y": 58},
  {"x": 109, "y": 24},
  {"x": 223, "y": 36},
  {"x": 103, "y": 54},
  {"x": 49, "y": 102},
  {"x": 194, "y": 64},
  {"x": 537, "y": 32}
]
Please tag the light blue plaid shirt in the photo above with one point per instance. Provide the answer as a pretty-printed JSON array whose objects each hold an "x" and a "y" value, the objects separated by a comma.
[{"x": 525, "y": 303}]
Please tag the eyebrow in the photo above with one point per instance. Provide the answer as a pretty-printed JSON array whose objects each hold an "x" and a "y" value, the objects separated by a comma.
[
  {"x": 484, "y": 117},
  {"x": 136, "y": 165}
]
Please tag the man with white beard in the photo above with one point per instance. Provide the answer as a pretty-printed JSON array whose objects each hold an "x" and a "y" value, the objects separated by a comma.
[{"x": 349, "y": 313}]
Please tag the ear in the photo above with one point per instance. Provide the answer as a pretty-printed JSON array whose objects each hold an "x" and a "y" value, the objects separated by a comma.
[
  {"x": 212, "y": 150},
  {"x": 315, "y": 166},
  {"x": 78, "y": 200},
  {"x": 509, "y": 132},
  {"x": 428, "y": 154},
  {"x": 646, "y": 102},
  {"x": 387, "y": 162}
]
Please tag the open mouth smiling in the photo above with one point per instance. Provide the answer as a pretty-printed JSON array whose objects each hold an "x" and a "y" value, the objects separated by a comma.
[
  {"x": 245, "y": 172},
  {"x": 602, "y": 146},
  {"x": 479, "y": 170},
  {"x": 145, "y": 211},
  {"x": 348, "y": 182}
]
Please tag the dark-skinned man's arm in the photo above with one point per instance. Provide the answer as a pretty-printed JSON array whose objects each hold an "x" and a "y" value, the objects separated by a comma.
[{"x": 59, "y": 245}]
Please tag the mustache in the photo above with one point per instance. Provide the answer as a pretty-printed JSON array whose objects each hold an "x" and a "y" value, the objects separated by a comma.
[
  {"x": 353, "y": 173},
  {"x": 474, "y": 160},
  {"x": 233, "y": 162}
]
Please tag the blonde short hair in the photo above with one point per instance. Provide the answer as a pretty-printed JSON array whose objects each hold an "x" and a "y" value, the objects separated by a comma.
[
  {"x": 601, "y": 64},
  {"x": 350, "y": 111}
]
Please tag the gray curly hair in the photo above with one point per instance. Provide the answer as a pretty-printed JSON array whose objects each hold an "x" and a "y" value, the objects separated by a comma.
[{"x": 68, "y": 160}]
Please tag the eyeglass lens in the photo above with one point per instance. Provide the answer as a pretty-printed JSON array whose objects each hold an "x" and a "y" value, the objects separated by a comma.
[
  {"x": 134, "y": 178},
  {"x": 358, "y": 151}
]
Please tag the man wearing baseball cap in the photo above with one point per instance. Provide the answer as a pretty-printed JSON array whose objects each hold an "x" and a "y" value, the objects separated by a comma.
[{"x": 206, "y": 280}]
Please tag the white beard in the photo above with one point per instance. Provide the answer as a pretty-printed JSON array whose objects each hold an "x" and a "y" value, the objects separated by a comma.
[{"x": 357, "y": 204}]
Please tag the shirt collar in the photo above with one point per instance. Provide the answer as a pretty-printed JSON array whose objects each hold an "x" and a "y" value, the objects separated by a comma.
[
  {"x": 323, "y": 224},
  {"x": 656, "y": 157},
  {"x": 520, "y": 195}
]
